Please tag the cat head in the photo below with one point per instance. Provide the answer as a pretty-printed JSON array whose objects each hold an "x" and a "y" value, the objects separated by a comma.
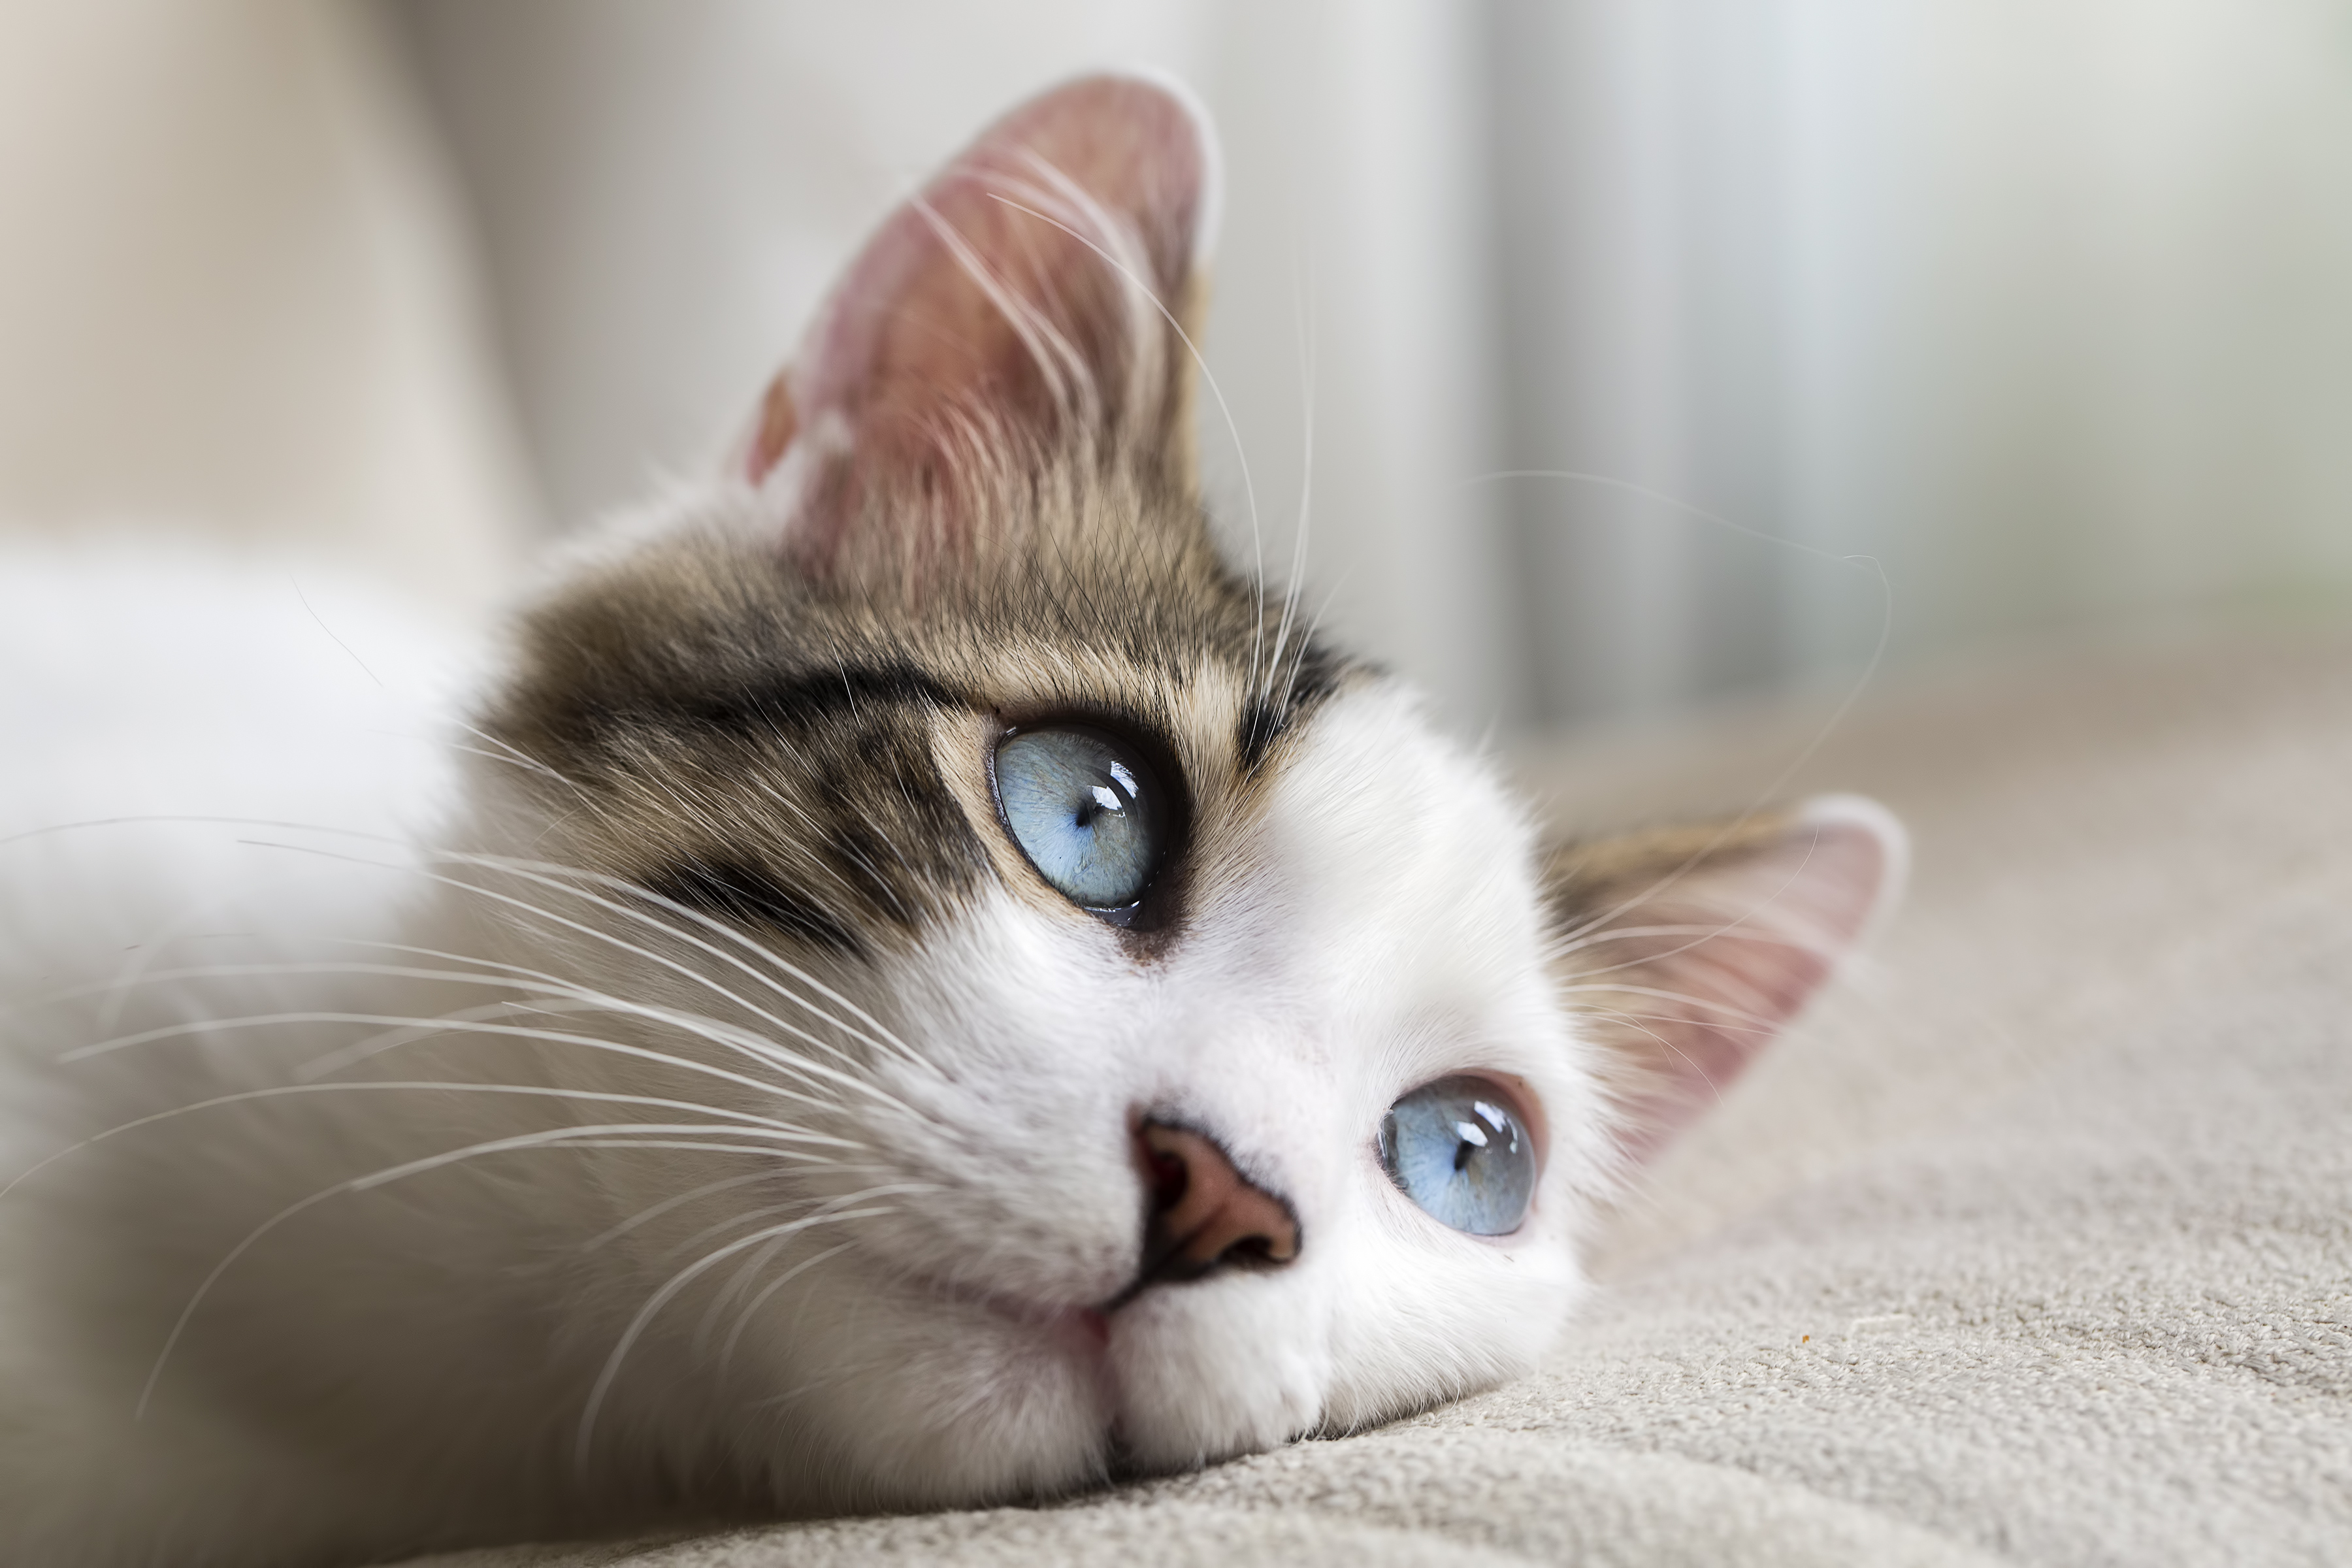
[{"x": 1122, "y": 1030}]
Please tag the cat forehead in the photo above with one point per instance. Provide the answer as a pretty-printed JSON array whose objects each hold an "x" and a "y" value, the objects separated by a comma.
[
  {"x": 695, "y": 707},
  {"x": 1103, "y": 591}
]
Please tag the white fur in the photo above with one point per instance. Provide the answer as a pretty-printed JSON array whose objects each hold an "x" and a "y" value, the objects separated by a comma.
[{"x": 428, "y": 1347}]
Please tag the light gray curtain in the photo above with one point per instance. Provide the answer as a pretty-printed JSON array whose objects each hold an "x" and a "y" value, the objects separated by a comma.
[{"x": 2044, "y": 306}]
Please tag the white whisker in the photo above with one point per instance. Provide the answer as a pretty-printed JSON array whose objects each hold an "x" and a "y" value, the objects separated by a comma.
[
  {"x": 1306, "y": 642},
  {"x": 507, "y": 752},
  {"x": 257, "y": 971},
  {"x": 688, "y": 971},
  {"x": 686, "y": 1276},
  {"x": 764, "y": 1126},
  {"x": 1735, "y": 926},
  {"x": 459, "y": 1023},
  {"x": 1056, "y": 359},
  {"x": 1297, "y": 581},
  {"x": 646, "y": 1215},
  {"x": 549, "y": 876},
  {"x": 1659, "y": 993},
  {"x": 355, "y": 1185},
  {"x": 743, "y": 1320}
]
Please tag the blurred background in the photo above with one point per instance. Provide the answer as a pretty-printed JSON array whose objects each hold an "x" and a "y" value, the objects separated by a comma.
[{"x": 1638, "y": 349}]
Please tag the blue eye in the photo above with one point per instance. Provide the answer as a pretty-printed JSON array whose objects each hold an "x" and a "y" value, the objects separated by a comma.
[
  {"x": 1456, "y": 1147},
  {"x": 1086, "y": 811}
]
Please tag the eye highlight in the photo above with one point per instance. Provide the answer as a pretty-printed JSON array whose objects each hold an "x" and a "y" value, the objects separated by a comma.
[
  {"x": 1460, "y": 1149},
  {"x": 1086, "y": 811}
]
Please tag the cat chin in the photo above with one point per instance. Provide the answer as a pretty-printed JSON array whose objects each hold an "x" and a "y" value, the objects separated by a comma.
[
  {"x": 992, "y": 1401},
  {"x": 937, "y": 1396},
  {"x": 1213, "y": 1370},
  {"x": 961, "y": 1399}
]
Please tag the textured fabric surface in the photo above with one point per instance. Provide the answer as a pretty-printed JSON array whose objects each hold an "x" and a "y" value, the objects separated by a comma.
[{"x": 2034, "y": 1246}]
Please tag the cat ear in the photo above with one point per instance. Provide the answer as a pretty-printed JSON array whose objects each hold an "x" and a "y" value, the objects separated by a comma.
[
  {"x": 1687, "y": 951},
  {"x": 1022, "y": 310}
]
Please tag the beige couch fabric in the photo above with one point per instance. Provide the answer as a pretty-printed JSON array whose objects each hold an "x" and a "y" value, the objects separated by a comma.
[{"x": 2035, "y": 1246}]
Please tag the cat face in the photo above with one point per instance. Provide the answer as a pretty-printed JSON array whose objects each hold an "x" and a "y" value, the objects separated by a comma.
[{"x": 1143, "y": 1037}]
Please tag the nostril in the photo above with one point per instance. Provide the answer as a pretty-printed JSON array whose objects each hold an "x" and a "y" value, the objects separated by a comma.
[
  {"x": 1168, "y": 1178},
  {"x": 1205, "y": 1214}
]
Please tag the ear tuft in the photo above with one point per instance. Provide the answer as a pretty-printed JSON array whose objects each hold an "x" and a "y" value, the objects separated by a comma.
[
  {"x": 1025, "y": 310},
  {"x": 1687, "y": 951}
]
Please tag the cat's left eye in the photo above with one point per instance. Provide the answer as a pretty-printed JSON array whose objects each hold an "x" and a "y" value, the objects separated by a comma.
[
  {"x": 1086, "y": 808},
  {"x": 1459, "y": 1148}
]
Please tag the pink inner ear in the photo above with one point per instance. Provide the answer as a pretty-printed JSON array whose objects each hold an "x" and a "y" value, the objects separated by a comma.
[
  {"x": 1753, "y": 939},
  {"x": 1022, "y": 300}
]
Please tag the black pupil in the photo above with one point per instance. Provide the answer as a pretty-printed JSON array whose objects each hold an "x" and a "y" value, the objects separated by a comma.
[
  {"x": 1111, "y": 793},
  {"x": 1472, "y": 1143}
]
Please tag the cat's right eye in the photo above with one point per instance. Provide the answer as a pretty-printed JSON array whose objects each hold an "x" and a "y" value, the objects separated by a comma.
[
  {"x": 1460, "y": 1149},
  {"x": 1086, "y": 811}
]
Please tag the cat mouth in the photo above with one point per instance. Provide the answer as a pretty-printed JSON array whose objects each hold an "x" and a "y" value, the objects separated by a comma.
[{"x": 1086, "y": 1330}]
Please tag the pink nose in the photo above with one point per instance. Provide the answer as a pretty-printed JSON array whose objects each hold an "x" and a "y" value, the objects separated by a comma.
[{"x": 1204, "y": 1214}]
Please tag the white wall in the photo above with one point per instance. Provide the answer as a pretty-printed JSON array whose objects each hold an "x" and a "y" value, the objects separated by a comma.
[{"x": 236, "y": 295}]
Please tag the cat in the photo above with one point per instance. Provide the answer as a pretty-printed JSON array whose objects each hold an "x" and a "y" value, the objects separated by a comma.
[{"x": 927, "y": 987}]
